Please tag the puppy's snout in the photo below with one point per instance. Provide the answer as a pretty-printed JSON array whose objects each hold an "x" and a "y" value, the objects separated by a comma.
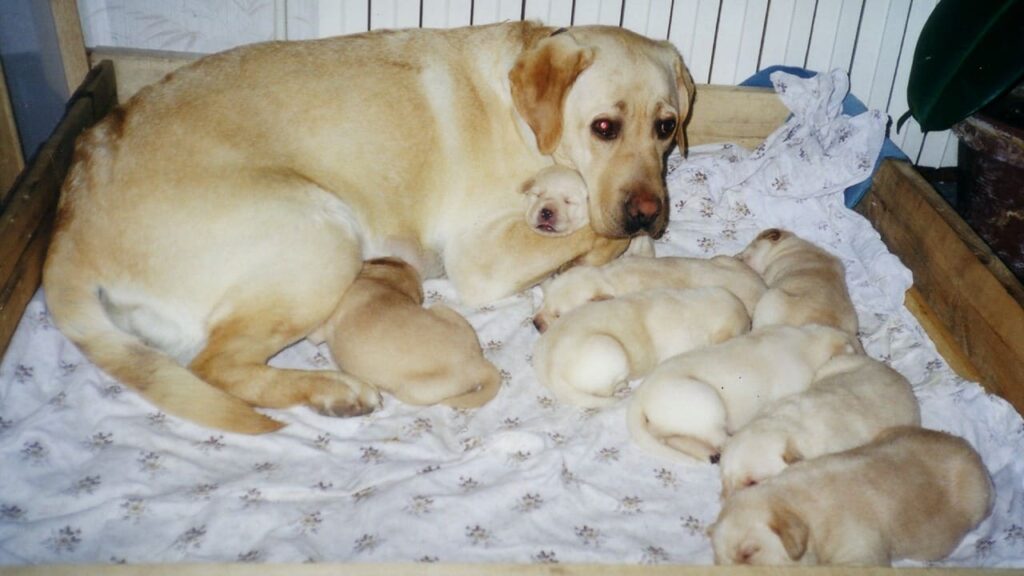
[
  {"x": 643, "y": 212},
  {"x": 540, "y": 323},
  {"x": 546, "y": 214}
]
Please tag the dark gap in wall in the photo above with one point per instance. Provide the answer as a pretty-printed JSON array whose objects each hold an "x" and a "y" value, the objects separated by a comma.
[
  {"x": 764, "y": 30},
  {"x": 421, "y": 13},
  {"x": 522, "y": 11},
  {"x": 899, "y": 56},
  {"x": 622, "y": 13},
  {"x": 472, "y": 9},
  {"x": 814, "y": 20},
  {"x": 671, "y": 11},
  {"x": 369, "y": 15},
  {"x": 714, "y": 45},
  {"x": 856, "y": 38},
  {"x": 572, "y": 15}
]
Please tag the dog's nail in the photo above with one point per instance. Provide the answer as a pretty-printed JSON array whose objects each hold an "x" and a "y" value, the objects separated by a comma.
[{"x": 715, "y": 458}]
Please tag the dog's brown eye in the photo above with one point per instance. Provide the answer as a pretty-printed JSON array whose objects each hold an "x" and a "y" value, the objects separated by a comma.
[
  {"x": 665, "y": 128},
  {"x": 605, "y": 129}
]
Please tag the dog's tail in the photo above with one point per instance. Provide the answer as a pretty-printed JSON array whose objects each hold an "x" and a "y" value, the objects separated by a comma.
[
  {"x": 662, "y": 418},
  {"x": 79, "y": 313}
]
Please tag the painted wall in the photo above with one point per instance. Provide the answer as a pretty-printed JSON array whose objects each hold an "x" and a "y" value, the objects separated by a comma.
[{"x": 723, "y": 41}]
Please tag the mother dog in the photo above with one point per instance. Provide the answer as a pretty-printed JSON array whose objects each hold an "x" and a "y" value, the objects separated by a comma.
[{"x": 219, "y": 215}]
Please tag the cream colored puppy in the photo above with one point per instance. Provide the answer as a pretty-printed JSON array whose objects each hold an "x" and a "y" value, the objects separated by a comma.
[
  {"x": 594, "y": 351},
  {"x": 689, "y": 405},
  {"x": 910, "y": 494},
  {"x": 806, "y": 284},
  {"x": 852, "y": 399},
  {"x": 581, "y": 284},
  {"x": 381, "y": 334},
  {"x": 556, "y": 201},
  {"x": 216, "y": 217}
]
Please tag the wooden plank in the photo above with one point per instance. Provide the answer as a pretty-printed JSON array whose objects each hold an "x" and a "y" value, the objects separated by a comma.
[
  {"x": 70, "y": 41},
  {"x": 427, "y": 569},
  {"x": 742, "y": 115},
  {"x": 26, "y": 219},
  {"x": 944, "y": 341},
  {"x": 969, "y": 292},
  {"x": 12, "y": 162}
]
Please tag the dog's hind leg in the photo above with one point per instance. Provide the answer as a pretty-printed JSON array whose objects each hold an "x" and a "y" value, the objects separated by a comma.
[{"x": 235, "y": 360}]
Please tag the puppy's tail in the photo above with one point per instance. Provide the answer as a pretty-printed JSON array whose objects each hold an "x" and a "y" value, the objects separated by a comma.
[
  {"x": 79, "y": 313},
  {"x": 490, "y": 384},
  {"x": 677, "y": 420}
]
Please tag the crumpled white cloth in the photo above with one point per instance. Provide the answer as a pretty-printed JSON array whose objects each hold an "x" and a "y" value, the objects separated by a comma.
[{"x": 90, "y": 472}]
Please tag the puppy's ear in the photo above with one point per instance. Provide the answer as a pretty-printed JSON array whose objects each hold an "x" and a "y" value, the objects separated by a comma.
[
  {"x": 771, "y": 235},
  {"x": 541, "y": 77},
  {"x": 687, "y": 92},
  {"x": 527, "y": 186},
  {"x": 792, "y": 530}
]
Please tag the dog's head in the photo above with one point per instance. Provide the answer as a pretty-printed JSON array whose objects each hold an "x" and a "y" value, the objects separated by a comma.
[
  {"x": 610, "y": 104},
  {"x": 748, "y": 459},
  {"x": 762, "y": 250},
  {"x": 755, "y": 530}
]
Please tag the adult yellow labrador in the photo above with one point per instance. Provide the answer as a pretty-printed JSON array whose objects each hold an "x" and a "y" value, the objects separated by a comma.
[{"x": 219, "y": 215}]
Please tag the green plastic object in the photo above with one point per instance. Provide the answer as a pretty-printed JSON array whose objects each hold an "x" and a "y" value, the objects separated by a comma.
[{"x": 969, "y": 53}]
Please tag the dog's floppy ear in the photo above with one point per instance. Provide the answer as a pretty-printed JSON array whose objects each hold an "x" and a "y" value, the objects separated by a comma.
[
  {"x": 541, "y": 78},
  {"x": 792, "y": 530},
  {"x": 687, "y": 91}
]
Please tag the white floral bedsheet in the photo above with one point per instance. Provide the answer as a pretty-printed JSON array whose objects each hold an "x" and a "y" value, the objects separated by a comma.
[{"x": 90, "y": 472}]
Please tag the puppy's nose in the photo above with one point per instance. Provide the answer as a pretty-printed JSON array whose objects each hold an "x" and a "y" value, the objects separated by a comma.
[
  {"x": 546, "y": 214},
  {"x": 642, "y": 211},
  {"x": 540, "y": 323}
]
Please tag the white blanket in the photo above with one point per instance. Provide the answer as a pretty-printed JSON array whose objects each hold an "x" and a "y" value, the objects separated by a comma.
[{"x": 90, "y": 472}]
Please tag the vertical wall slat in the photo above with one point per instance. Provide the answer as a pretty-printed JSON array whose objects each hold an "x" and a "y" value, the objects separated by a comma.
[
  {"x": 787, "y": 33},
  {"x": 446, "y": 13},
  {"x": 693, "y": 32},
  {"x": 550, "y": 12},
  {"x": 910, "y": 138},
  {"x": 337, "y": 17},
  {"x": 491, "y": 11},
  {"x": 597, "y": 12},
  {"x": 394, "y": 14},
  {"x": 833, "y": 35},
  {"x": 649, "y": 18},
  {"x": 739, "y": 41}
]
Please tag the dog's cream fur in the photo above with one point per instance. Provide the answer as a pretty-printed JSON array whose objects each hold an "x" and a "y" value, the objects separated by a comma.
[
  {"x": 582, "y": 284},
  {"x": 556, "y": 201},
  {"x": 382, "y": 335},
  {"x": 910, "y": 494},
  {"x": 689, "y": 405},
  {"x": 594, "y": 351},
  {"x": 220, "y": 214},
  {"x": 852, "y": 399},
  {"x": 806, "y": 284}
]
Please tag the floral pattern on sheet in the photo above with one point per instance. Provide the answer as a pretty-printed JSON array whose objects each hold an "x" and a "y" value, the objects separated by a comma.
[{"x": 93, "y": 473}]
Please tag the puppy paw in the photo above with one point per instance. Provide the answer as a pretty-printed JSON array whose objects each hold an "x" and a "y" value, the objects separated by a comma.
[{"x": 345, "y": 399}]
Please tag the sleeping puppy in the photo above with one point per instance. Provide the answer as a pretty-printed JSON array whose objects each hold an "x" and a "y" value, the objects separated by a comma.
[
  {"x": 595, "y": 350},
  {"x": 910, "y": 494},
  {"x": 806, "y": 284},
  {"x": 381, "y": 334},
  {"x": 851, "y": 400},
  {"x": 687, "y": 407},
  {"x": 556, "y": 201},
  {"x": 582, "y": 284}
]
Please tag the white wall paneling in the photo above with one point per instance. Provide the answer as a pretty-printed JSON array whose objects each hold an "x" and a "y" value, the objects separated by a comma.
[{"x": 723, "y": 41}]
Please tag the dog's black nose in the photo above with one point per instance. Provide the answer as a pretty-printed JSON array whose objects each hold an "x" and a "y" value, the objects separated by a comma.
[{"x": 642, "y": 210}]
